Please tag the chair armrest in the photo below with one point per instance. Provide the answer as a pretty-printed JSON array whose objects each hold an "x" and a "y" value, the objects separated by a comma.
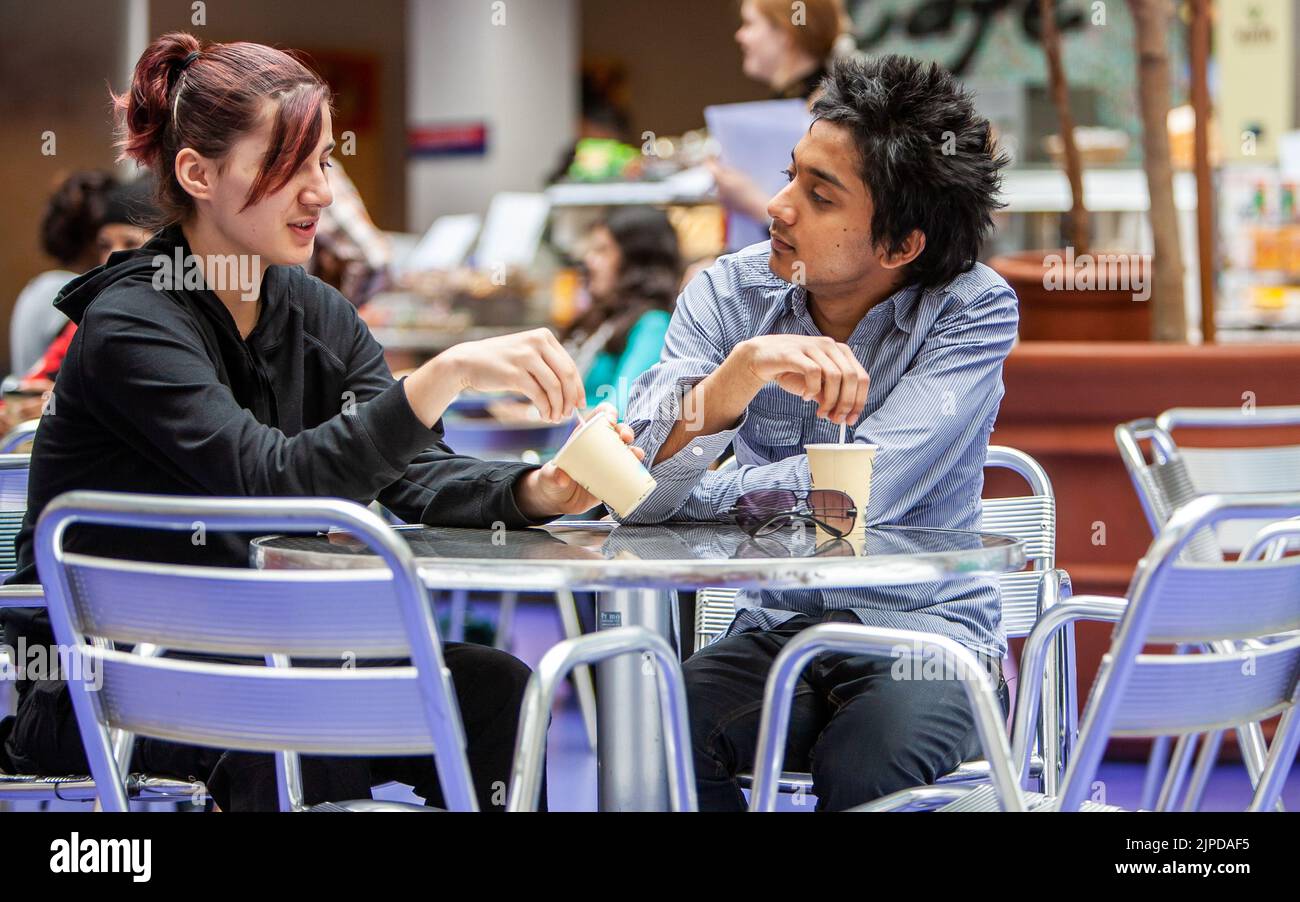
[
  {"x": 1033, "y": 660},
  {"x": 539, "y": 697},
  {"x": 856, "y": 638}
]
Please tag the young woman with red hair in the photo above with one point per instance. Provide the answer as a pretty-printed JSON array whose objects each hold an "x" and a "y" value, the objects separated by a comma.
[{"x": 259, "y": 380}]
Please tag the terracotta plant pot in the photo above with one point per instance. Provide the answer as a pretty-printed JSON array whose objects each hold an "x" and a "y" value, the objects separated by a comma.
[{"x": 1102, "y": 297}]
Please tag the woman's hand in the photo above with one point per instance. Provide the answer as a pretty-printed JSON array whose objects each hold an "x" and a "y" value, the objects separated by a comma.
[
  {"x": 533, "y": 364},
  {"x": 550, "y": 492}
]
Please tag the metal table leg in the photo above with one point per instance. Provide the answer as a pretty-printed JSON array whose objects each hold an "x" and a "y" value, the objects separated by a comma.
[{"x": 632, "y": 775}]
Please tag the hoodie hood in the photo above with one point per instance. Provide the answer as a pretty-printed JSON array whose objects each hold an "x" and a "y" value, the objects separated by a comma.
[{"x": 141, "y": 264}]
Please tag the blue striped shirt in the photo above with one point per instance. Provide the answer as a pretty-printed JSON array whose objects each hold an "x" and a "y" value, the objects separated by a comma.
[{"x": 935, "y": 362}]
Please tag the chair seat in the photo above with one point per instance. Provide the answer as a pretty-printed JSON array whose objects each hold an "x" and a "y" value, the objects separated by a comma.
[
  {"x": 369, "y": 805},
  {"x": 958, "y": 797},
  {"x": 81, "y": 788}
]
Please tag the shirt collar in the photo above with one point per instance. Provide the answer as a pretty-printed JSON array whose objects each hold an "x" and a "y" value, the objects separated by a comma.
[{"x": 905, "y": 302}]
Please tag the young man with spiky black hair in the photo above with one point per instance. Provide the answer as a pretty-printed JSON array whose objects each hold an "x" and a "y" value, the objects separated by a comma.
[{"x": 867, "y": 308}]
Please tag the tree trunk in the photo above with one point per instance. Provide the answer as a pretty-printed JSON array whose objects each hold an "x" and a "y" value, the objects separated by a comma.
[
  {"x": 1060, "y": 92},
  {"x": 1152, "y": 20}
]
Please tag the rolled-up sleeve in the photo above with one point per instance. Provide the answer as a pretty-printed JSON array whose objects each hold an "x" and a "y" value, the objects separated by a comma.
[{"x": 697, "y": 343}]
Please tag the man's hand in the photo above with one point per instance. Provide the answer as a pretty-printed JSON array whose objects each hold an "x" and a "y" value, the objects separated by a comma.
[
  {"x": 814, "y": 368},
  {"x": 550, "y": 492}
]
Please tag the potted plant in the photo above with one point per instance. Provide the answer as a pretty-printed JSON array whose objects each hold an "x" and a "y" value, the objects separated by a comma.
[{"x": 1075, "y": 294}]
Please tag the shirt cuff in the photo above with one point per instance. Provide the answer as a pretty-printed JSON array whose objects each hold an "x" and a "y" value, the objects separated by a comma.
[
  {"x": 676, "y": 477},
  {"x": 394, "y": 429},
  {"x": 507, "y": 506}
]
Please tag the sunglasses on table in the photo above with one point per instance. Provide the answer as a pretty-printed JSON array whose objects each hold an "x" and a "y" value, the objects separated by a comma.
[
  {"x": 763, "y": 512},
  {"x": 772, "y": 547}
]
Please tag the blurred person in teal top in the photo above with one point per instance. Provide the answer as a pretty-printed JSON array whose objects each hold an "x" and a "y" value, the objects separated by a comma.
[{"x": 633, "y": 270}]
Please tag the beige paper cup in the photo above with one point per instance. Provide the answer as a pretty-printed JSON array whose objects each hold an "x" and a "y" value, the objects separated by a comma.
[
  {"x": 598, "y": 461},
  {"x": 845, "y": 468}
]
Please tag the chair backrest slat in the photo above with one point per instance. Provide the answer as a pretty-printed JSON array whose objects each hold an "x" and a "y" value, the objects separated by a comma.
[
  {"x": 1234, "y": 470},
  {"x": 303, "y": 709},
  {"x": 1031, "y": 519},
  {"x": 1019, "y": 594},
  {"x": 1180, "y": 473},
  {"x": 1195, "y": 602},
  {"x": 1173, "y": 694},
  {"x": 230, "y": 611}
]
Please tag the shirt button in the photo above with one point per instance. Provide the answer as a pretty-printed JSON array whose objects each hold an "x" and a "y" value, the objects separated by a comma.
[{"x": 697, "y": 451}]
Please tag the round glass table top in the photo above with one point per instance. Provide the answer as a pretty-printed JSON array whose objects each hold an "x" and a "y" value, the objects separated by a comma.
[{"x": 605, "y": 555}]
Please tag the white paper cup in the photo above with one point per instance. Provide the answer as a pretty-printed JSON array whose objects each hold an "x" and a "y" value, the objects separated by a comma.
[
  {"x": 601, "y": 463},
  {"x": 845, "y": 468}
]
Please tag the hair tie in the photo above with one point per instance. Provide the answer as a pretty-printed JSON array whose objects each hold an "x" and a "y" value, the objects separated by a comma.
[{"x": 176, "y": 78}]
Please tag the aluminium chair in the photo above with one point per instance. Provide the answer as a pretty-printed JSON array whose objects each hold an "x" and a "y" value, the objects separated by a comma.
[
  {"x": 277, "y": 616},
  {"x": 13, "y": 507},
  {"x": 1173, "y": 476},
  {"x": 539, "y": 698},
  {"x": 1249, "y": 608},
  {"x": 1025, "y": 596}
]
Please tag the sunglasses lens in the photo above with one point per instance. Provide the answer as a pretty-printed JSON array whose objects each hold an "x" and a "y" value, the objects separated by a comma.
[
  {"x": 760, "y": 548},
  {"x": 835, "y": 548},
  {"x": 754, "y": 509},
  {"x": 833, "y": 508}
]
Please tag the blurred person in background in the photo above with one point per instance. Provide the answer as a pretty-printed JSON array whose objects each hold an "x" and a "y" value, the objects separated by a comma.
[
  {"x": 352, "y": 253},
  {"x": 633, "y": 269},
  {"x": 69, "y": 231},
  {"x": 788, "y": 49},
  {"x": 128, "y": 208}
]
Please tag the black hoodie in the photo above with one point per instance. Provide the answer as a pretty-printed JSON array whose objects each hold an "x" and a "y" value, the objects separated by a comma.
[{"x": 159, "y": 394}]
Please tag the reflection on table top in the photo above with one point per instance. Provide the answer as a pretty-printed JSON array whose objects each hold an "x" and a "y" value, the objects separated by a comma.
[{"x": 604, "y": 555}]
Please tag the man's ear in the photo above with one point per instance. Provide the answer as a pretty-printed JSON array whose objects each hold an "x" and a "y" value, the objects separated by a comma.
[
  {"x": 911, "y": 249},
  {"x": 195, "y": 173}
]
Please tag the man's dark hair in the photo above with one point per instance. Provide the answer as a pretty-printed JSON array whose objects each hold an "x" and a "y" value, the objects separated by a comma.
[{"x": 927, "y": 158}]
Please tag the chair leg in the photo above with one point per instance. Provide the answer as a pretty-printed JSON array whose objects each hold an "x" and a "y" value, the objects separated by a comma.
[
  {"x": 459, "y": 611},
  {"x": 567, "y": 605},
  {"x": 1179, "y": 761},
  {"x": 506, "y": 621},
  {"x": 1155, "y": 773},
  {"x": 1205, "y": 761}
]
